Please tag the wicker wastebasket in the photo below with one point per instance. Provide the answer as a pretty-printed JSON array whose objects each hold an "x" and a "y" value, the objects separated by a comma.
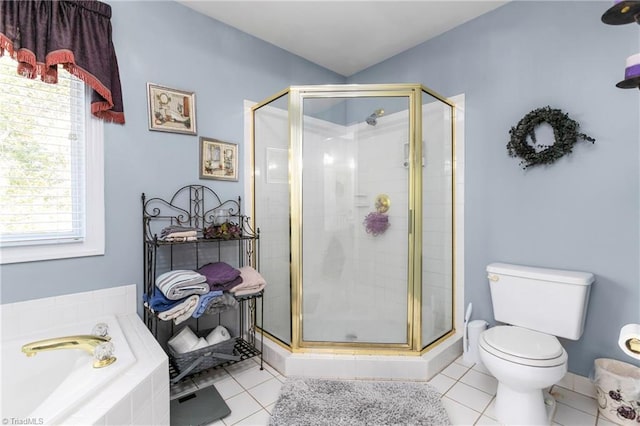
[{"x": 618, "y": 390}]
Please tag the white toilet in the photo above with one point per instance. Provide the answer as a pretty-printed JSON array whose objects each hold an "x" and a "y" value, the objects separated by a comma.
[{"x": 525, "y": 356}]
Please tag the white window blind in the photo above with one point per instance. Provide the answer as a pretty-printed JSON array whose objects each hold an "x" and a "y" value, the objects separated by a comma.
[{"x": 44, "y": 144}]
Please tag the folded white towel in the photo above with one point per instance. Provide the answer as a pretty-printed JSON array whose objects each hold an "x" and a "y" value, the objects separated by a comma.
[
  {"x": 217, "y": 335},
  {"x": 181, "y": 234},
  {"x": 181, "y": 283},
  {"x": 202, "y": 343},
  {"x": 183, "y": 341},
  {"x": 180, "y": 239},
  {"x": 182, "y": 311}
]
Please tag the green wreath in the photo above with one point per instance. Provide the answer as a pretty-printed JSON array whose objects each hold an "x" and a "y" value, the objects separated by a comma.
[{"x": 565, "y": 132}]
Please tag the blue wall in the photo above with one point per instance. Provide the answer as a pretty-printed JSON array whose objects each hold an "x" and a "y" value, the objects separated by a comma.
[
  {"x": 168, "y": 44},
  {"x": 580, "y": 213}
]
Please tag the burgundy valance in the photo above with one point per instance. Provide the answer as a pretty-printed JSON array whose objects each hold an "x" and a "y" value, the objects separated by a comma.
[{"x": 40, "y": 34}]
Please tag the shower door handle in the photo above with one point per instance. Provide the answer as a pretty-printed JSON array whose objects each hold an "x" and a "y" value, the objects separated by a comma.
[
  {"x": 405, "y": 154},
  {"x": 410, "y": 221}
]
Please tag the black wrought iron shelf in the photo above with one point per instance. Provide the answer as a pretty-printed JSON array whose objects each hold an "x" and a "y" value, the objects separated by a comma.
[
  {"x": 198, "y": 207},
  {"x": 161, "y": 242},
  {"x": 243, "y": 298},
  {"x": 189, "y": 384}
]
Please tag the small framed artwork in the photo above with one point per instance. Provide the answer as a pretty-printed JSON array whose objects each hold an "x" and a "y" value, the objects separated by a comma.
[
  {"x": 171, "y": 110},
  {"x": 218, "y": 160}
]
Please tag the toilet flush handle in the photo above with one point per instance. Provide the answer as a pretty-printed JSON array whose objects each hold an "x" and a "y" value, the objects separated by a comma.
[{"x": 493, "y": 277}]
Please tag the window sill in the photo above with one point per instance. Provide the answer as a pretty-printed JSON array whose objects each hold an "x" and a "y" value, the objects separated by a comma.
[{"x": 34, "y": 253}]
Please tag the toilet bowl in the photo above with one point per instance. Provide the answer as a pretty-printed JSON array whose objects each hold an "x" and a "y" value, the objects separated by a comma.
[
  {"x": 526, "y": 357},
  {"x": 524, "y": 362}
]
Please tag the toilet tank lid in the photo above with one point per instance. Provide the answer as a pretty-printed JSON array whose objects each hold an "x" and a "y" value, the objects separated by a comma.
[{"x": 556, "y": 275}]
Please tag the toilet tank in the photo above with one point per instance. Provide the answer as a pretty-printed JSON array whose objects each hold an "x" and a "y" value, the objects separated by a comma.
[{"x": 551, "y": 301}]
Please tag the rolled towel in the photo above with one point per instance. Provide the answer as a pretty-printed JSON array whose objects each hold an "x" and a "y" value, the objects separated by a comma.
[
  {"x": 182, "y": 283},
  {"x": 202, "y": 343},
  {"x": 217, "y": 335},
  {"x": 252, "y": 282},
  {"x": 182, "y": 311},
  {"x": 183, "y": 341}
]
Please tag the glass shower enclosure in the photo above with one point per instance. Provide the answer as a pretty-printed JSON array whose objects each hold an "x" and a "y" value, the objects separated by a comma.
[{"x": 353, "y": 196}]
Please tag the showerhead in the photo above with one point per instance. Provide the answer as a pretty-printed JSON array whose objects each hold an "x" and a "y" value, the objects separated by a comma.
[{"x": 372, "y": 120}]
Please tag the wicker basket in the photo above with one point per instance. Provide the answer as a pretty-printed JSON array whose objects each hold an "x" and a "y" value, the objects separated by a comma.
[{"x": 201, "y": 359}]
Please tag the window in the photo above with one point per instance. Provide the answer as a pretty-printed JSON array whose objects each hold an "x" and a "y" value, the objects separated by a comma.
[{"x": 51, "y": 169}]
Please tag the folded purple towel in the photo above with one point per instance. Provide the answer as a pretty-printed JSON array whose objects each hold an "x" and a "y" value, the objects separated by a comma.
[
  {"x": 228, "y": 285},
  {"x": 218, "y": 273}
]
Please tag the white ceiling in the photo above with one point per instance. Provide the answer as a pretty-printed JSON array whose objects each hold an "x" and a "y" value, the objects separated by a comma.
[{"x": 343, "y": 36}]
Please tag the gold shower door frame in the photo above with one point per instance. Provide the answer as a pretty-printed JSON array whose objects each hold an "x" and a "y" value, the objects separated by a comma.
[{"x": 414, "y": 93}]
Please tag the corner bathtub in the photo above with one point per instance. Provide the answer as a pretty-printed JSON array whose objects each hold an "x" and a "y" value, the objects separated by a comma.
[{"x": 50, "y": 386}]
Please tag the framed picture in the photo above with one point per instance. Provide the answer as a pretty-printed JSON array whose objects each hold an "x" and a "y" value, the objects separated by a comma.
[
  {"x": 171, "y": 110},
  {"x": 218, "y": 160}
]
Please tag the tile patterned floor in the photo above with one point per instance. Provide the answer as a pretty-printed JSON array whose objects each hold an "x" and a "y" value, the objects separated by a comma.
[{"x": 468, "y": 394}]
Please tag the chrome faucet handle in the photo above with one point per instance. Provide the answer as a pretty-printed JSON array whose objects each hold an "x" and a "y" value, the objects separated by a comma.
[
  {"x": 103, "y": 355},
  {"x": 100, "y": 329}
]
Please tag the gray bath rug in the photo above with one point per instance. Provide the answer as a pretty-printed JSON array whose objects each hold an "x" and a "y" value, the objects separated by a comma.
[{"x": 310, "y": 402}]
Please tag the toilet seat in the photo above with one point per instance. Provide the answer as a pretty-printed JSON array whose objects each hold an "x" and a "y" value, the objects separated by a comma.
[{"x": 523, "y": 346}]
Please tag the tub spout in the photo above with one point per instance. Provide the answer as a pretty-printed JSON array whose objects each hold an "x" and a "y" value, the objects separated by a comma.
[{"x": 99, "y": 347}]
